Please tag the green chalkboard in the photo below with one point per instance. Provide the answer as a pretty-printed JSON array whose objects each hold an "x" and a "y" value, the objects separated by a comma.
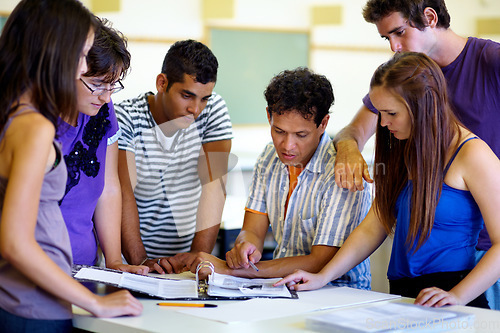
[
  {"x": 3, "y": 19},
  {"x": 248, "y": 59}
]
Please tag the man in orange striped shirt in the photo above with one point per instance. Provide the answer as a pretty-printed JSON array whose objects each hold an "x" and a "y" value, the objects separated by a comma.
[{"x": 293, "y": 189}]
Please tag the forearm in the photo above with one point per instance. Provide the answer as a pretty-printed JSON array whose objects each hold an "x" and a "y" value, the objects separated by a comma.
[
  {"x": 360, "y": 244},
  {"x": 486, "y": 272},
  {"x": 132, "y": 247},
  {"x": 204, "y": 240},
  {"x": 281, "y": 267},
  {"x": 252, "y": 236},
  {"x": 359, "y": 130},
  {"x": 208, "y": 216},
  {"x": 348, "y": 136},
  {"x": 107, "y": 221},
  {"x": 211, "y": 205},
  {"x": 48, "y": 275}
]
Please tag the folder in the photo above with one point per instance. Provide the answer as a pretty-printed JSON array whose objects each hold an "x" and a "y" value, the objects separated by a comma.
[{"x": 216, "y": 287}]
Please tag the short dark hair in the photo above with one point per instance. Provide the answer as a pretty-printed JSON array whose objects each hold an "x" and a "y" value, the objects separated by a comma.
[
  {"x": 412, "y": 10},
  {"x": 300, "y": 90},
  {"x": 192, "y": 58},
  {"x": 108, "y": 56}
]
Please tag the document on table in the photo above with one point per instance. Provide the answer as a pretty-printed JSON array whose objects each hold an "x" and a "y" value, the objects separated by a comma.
[
  {"x": 252, "y": 310},
  {"x": 391, "y": 317},
  {"x": 333, "y": 297},
  {"x": 308, "y": 301}
]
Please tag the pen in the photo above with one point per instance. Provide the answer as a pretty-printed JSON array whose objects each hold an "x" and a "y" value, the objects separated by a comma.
[
  {"x": 253, "y": 265},
  {"x": 193, "y": 305}
]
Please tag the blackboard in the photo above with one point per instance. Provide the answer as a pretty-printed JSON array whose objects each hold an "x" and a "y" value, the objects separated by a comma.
[{"x": 248, "y": 59}]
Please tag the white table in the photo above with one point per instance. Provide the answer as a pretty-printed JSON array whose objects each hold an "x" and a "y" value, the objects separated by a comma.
[{"x": 167, "y": 319}]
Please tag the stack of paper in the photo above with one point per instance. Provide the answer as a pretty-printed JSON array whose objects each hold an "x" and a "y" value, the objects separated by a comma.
[{"x": 390, "y": 317}]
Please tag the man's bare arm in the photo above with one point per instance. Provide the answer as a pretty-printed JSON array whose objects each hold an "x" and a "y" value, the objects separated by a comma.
[
  {"x": 249, "y": 244},
  {"x": 314, "y": 262},
  {"x": 350, "y": 166},
  {"x": 212, "y": 170},
  {"x": 132, "y": 248}
]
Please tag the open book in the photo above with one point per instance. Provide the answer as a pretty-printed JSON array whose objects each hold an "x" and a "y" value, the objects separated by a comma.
[{"x": 218, "y": 286}]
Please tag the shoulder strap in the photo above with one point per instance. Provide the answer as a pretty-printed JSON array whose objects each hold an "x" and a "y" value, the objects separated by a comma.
[
  {"x": 455, "y": 155},
  {"x": 22, "y": 107}
]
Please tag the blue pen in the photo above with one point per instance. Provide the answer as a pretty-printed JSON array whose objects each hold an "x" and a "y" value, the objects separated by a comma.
[{"x": 253, "y": 265}]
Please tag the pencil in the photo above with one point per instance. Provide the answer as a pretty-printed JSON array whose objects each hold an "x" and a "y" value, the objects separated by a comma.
[
  {"x": 253, "y": 265},
  {"x": 193, "y": 305}
]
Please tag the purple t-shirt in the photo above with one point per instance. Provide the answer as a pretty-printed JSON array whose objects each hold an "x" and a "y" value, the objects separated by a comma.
[
  {"x": 474, "y": 90},
  {"x": 84, "y": 150}
]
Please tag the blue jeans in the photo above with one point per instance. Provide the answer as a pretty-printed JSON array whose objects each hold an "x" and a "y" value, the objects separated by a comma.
[
  {"x": 13, "y": 323},
  {"x": 493, "y": 292}
]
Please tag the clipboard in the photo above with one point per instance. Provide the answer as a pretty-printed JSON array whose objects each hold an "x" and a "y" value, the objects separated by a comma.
[{"x": 188, "y": 290}]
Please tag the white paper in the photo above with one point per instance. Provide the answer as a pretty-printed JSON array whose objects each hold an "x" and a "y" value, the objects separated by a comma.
[
  {"x": 99, "y": 275},
  {"x": 308, "y": 301},
  {"x": 252, "y": 310},
  {"x": 231, "y": 286},
  {"x": 333, "y": 297},
  {"x": 390, "y": 317},
  {"x": 140, "y": 282}
]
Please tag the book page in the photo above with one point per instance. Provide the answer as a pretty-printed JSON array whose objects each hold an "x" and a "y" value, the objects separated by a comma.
[{"x": 231, "y": 286}]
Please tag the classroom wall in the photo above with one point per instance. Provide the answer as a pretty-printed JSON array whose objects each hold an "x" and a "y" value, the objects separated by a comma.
[{"x": 346, "y": 49}]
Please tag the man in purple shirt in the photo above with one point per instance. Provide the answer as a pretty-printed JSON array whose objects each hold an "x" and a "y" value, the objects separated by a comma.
[{"x": 471, "y": 67}]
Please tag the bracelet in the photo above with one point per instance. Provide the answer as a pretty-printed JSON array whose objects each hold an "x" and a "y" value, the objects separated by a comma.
[{"x": 142, "y": 262}]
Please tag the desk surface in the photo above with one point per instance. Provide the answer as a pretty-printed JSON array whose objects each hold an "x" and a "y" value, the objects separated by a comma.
[{"x": 166, "y": 319}]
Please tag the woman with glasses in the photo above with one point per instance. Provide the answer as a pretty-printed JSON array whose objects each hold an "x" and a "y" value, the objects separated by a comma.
[
  {"x": 42, "y": 53},
  {"x": 92, "y": 201}
]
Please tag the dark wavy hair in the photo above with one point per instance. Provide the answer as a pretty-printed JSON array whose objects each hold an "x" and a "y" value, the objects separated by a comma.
[
  {"x": 412, "y": 10},
  {"x": 108, "y": 56},
  {"x": 302, "y": 91},
  {"x": 192, "y": 58},
  {"x": 40, "y": 48},
  {"x": 417, "y": 81}
]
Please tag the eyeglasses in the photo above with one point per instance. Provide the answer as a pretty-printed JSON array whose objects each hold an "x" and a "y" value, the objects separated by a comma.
[{"x": 100, "y": 91}]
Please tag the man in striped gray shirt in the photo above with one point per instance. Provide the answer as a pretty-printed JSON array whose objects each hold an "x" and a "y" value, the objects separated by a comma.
[
  {"x": 173, "y": 157},
  {"x": 293, "y": 190}
]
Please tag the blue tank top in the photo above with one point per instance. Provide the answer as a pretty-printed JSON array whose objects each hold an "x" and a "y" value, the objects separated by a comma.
[{"x": 452, "y": 240}]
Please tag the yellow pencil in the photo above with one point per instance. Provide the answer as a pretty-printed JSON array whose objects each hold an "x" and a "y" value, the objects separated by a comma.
[{"x": 194, "y": 305}]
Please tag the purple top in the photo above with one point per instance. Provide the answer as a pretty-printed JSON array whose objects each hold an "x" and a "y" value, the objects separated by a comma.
[
  {"x": 18, "y": 294},
  {"x": 84, "y": 150},
  {"x": 473, "y": 86}
]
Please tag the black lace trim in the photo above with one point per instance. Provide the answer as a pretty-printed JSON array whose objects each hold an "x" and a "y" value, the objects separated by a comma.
[{"x": 83, "y": 159}]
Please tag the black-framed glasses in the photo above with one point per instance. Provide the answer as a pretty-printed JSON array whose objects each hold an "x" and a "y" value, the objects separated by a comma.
[{"x": 99, "y": 91}]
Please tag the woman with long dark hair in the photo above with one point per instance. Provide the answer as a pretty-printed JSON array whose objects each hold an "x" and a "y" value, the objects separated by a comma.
[{"x": 42, "y": 55}]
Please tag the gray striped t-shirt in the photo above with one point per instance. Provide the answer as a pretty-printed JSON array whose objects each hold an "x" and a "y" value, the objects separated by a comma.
[{"x": 168, "y": 186}]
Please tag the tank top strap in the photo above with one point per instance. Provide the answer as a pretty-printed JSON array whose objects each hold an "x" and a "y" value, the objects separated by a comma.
[
  {"x": 22, "y": 107},
  {"x": 455, "y": 155}
]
